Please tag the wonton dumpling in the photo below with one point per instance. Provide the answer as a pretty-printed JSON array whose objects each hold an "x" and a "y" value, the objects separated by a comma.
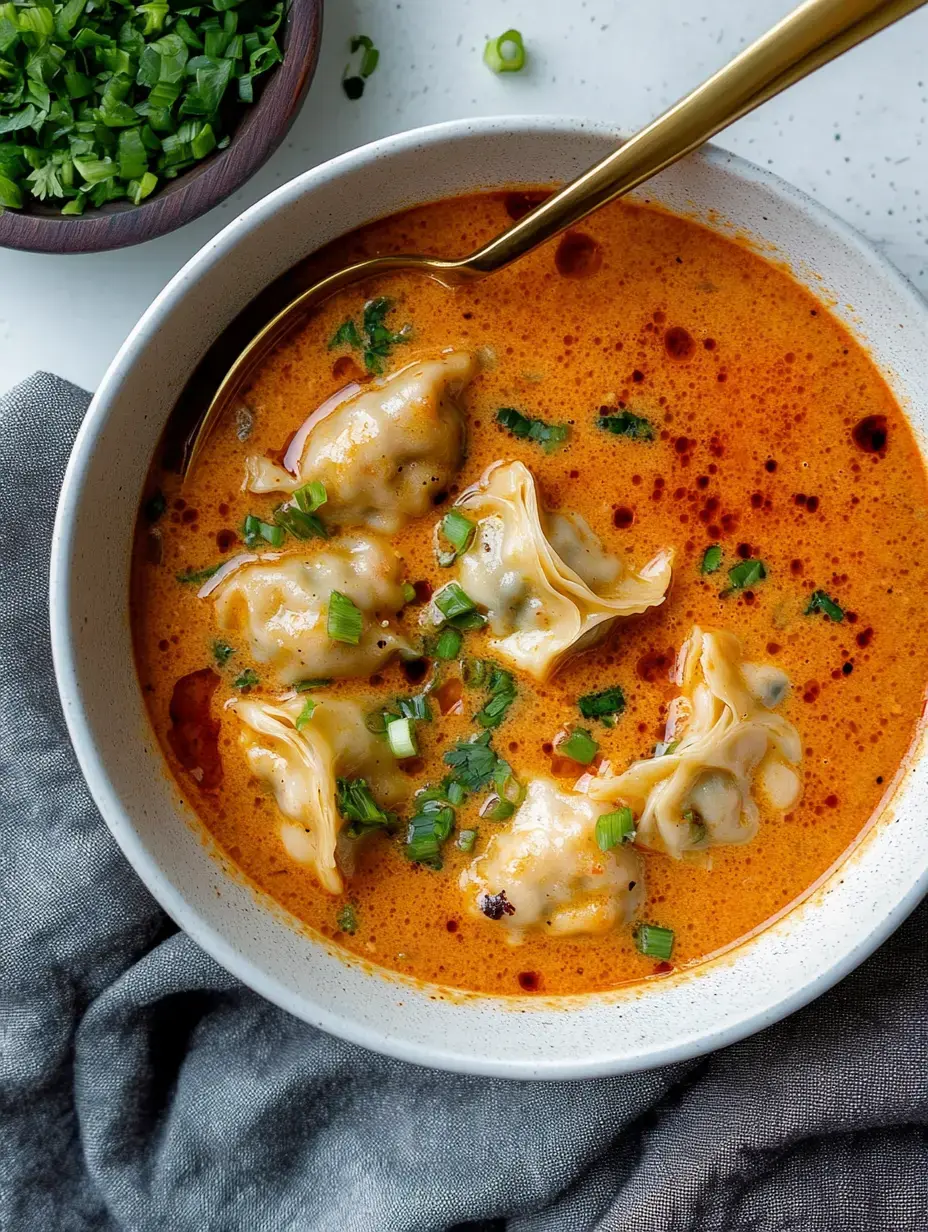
[
  {"x": 301, "y": 767},
  {"x": 549, "y": 588},
  {"x": 552, "y": 870},
  {"x": 385, "y": 453},
  {"x": 727, "y": 738},
  {"x": 279, "y": 606}
]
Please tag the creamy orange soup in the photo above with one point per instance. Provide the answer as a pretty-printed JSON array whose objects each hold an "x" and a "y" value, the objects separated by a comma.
[{"x": 710, "y": 405}]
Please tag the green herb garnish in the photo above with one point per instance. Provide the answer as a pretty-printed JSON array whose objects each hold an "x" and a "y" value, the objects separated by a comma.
[
  {"x": 347, "y": 919},
  {"x": 255, "y": 532},
  {"x": 305, "y": 686},
  {"x": 458, "y": 530},
  {"x": 654, "y": 941},
  {"x": 222, "y": 652},
  {"x": 453, "y": 602},
  {"x": 448, "y": 645},
  {"x": 299, "y": 523},
  {"x": 401, "y": 737},
  {"x": 548, "y": 436},
  {"x": 373, "y": 339},
  {"x": 821, "y": 602},
  {"x": 345, "y": 621},
  {"x": 247, "y": 680},
  {"x": 409, "y": 592},
  {"x": 353, "y": 83},
  {"x": 502, "y": 689},
  {"x": 615, "y": 828},
  {"x": 505, "y": 54},
  {"x": 746, "y": 573},
  {"x": 579, "y": 746},
  {"x": 305, "y": 714},
  {"x": 711, "y": 559},
  {"x": 497, "y": 808},
  {"x": 103, "y": 101},
  {"x": 604, "y": 705},
  {"x": 311, "y": 496},
  {"x": 357, "y": 805},
  {"x": 635, "y": 427},
  {"x": 473, "y": 762},
  {"x": 193, "y": 577},
  {"x": 466, "y": 840}
]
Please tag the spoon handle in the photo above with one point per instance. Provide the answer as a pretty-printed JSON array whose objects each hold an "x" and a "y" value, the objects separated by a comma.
[{"x": 810, "y": 36}]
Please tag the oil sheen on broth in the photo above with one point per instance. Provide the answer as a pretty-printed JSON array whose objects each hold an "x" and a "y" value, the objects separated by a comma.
[{"x": 722, "y": 427}]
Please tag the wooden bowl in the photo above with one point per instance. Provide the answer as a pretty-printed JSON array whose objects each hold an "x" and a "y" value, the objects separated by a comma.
[{"x": 263, "y": 126}]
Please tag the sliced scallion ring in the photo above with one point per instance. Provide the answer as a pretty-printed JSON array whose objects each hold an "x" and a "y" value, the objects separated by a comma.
[
  {"x": 401, "y": 737},
  {"x": 344, "y": 621},
  {"x": 505, "y": 54}
]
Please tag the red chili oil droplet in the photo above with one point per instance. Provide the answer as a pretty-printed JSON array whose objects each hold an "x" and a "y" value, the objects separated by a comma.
[
  {"x": 530, "y": 981},
  {"x": 678, "y": 342},
  {"x": 623, "y": 518},
  {"x": 449, "y": 696},
  {"x": 865, "y": 637},
  {"x": 655, "y": 664},
  {"x": 347, "y": 369},
  {"x": 871, "y": 434},
  {"x": 578, "y": 255},
  {"x": 194, "y": 733},
  {"x": 452, "y": 926},
  {"x": 423, "y": 591},
  {"x": 518, "y": 204},
  {"x": 225, "y": 539}
]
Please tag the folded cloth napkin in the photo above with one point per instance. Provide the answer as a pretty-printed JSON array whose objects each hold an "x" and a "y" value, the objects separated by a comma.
[{"x": 143, "y": 1088}]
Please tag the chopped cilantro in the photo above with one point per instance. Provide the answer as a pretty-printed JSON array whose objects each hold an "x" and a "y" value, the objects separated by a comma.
[
  {"x": 222, "y": 652},
  {"x": 353, "y": 83},
  {"x": 502, "y": 690},
  {"x": 373, "y": 339},
  {"x": 635, "y": 427},
  {"x": 746, "y": 573},
  {"x": 548, "y": 436},
  {"x": 711, "y": 559},
  {"x": 473, "y": 762},
  {"x": 603, "y": 705},
  {"x": 821, "y": 602},
  {"x": 358, "y": 807}
]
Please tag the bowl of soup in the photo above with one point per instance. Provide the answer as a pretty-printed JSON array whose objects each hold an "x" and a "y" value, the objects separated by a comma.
[{"x": 528, "y": 678}]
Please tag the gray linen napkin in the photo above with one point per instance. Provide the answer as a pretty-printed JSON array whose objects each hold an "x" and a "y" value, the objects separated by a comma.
[{"x": 143, "y": 1088}]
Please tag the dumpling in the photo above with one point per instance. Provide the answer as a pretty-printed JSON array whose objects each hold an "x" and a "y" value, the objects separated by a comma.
[
  {"x": 548, "y": 586},
  {"x": 723, "y": 737},
  {"x": 301, "y": 768},
  {"x": 278, "y": 607},
  {"x": 385, "y": 453},
  {"x": 549, "y": 867}
]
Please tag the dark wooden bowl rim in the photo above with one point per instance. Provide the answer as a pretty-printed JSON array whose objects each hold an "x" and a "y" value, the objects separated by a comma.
[{"x": 262, "y": 128}]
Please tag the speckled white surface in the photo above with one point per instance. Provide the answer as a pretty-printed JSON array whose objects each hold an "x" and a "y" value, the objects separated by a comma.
[{"x": 855, "y": 137}]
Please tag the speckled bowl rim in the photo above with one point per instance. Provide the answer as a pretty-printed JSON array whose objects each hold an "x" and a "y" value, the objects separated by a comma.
[{"x": 858, "y": 904}]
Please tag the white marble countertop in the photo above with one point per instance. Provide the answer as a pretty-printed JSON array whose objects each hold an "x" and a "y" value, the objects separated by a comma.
[{"x": 854, "y": 136}]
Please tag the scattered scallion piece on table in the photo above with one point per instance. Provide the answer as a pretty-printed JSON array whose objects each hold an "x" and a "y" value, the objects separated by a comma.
[
  {"x": 711, "y": 559},
  {"x": 745, "y": 574},
  {"x": 344, "y": 621},
  {"x": 548, "y": 436},
  {"x": 353, "y": 82},
  {"x": 654, "y": 941},
  {"x": 579, "y": 746},
  {"x": 605, "y": 705},
  {"x": 505, "y": 54},
  {"x": 615, "y": 828},
  {"x": 822, "y": 602},
  {"x": 625, "y": 423},
  {"x": 102, "y": 102}
]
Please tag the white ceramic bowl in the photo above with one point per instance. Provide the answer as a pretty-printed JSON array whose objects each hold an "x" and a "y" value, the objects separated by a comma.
[{"x": 778, "y": 970}]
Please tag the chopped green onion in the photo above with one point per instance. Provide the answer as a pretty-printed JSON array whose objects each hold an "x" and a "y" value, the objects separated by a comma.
[
  {"x": 254, "y": 532},
  {"x": 475, "y": 671},
  {"x": 448, "y": 645},
  {"x": 455, "y": 792},
  {"x": 409, "y": 592},
  {"x": 469, "y": 620},
  {"x": 458, "y": 530},
  {"x": 452, "y": 601},
  {"x": 473, "y": 762},
  {"x": 222, "y": 652},
  {"x": 401, "y": 737},
  {"x": 299, "y": 524},
  {"x": 356, "y": 804},
  {"x": 305, "y": 714},
  {"x": 466, "y": 840},
  {"x": 445, "y": 559},
  {"x": 502, "y": 689},
  {"x": 821, "y": 602},
  {"x": 549, "y": 436},
  {"x": 664, "y": 749},
  {"x": 606, "y": 703},
  {"x": 615, "y": 828},
  {"x": 654, "y": 941},
  {"x": 247, "y": 680},
  {"x": 711, "y": 559},
  {"x": 374, "y": 339},
  {"x": 347, "y": 920},
  {"x": 634, "y": 427},
  {"x": 194, "y": 577},
  {"x": 423, "y": 845},
  {"x": 305, "y": 686},
  {"x": 311, "y": 496},
  {"x": 415, "y": 707},
  {"x": 344, "y": 622},
  {"x": 746, "y": 573},
  {"x": 495, "y": 808},
  {"x": 579, "y": 746},
  {"x": 505, "y": 54}
]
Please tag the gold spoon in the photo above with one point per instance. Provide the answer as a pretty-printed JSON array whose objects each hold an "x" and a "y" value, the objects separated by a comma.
[{"x": 807, "y": 38}]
